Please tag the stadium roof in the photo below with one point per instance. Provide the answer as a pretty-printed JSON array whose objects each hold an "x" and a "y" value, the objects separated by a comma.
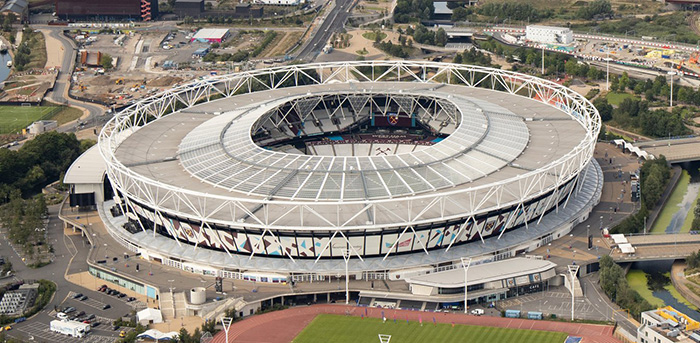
[
  {"x": 481, "y": 273},
  {"x": 89, "y": 168},
  {"x": 514, "y": 146}
]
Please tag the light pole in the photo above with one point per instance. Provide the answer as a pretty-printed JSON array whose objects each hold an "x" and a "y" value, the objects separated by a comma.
[
  {"x": 542, "y": 59},
  {"x": 588, "y": 233},
  {"x": 607, "y": 70},
  {"x": 346, "y": 257},
  {"x": 573, "y": 269},
  {"x": 226, "y": 323},
  {"x": 671, "y": 97},
  {"x": 465, "y": 265}
]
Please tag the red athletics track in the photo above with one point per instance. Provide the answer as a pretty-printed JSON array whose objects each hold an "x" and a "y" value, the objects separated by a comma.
[{"x": 283, "y": 326}]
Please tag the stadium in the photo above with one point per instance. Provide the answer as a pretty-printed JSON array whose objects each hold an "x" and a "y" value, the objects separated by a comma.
[{"x": 297, "y": 172}]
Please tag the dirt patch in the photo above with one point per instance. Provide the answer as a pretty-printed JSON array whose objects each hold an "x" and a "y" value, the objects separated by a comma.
[
  {"x": 101, "y": 80},
  {"x": 164, "y": 81}
]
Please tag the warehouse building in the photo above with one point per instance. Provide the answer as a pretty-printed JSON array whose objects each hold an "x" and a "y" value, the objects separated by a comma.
[
  {"x": 107, "y": 10},
  {"x": 211, "y": 35},
  {"x": 279, "y": 2},
  {"x": 549, "y": 34},
  {"x": 188, "y": 8}
]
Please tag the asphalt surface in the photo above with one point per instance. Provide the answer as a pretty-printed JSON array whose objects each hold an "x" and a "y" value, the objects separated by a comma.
[
  {"x": 334, "y": 22},
  {"x": 71, "y": 254}
]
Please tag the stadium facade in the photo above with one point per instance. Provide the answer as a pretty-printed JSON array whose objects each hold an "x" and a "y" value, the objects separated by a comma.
[{"x": 394, "y": 166}]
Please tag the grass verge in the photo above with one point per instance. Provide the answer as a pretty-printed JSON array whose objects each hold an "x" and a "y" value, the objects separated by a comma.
[{"x": 615, "y": 98}]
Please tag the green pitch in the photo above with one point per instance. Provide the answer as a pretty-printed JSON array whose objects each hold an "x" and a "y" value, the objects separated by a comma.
[
  {"x": 14, "y": 118},
  {"x": 339, "y": 329}
]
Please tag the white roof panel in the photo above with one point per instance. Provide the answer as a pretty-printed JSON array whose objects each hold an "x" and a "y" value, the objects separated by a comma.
[{"x": 88, "y": 168}]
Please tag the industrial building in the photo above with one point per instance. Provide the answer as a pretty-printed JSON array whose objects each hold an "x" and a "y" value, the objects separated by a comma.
[
  {"x": 41, "y": 126},
  {"x": 211, "y": 35},
  {"x": 549, "y": 34},
  {"x": 279, "y": 2},
  {"x": 20, "y": 8},
  {"x": 667, "y": 325},
  {"x": 145, "y": 10},
  {"x": 188, "y": 8}
]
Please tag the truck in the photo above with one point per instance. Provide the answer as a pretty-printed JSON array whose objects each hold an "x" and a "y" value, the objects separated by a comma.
[{"x": 70, "y": 327}]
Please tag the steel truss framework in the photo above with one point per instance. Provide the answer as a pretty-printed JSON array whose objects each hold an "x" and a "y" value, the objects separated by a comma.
[
  {"x": 431, "y": 108},
  {"x": 413, "y": 211}
]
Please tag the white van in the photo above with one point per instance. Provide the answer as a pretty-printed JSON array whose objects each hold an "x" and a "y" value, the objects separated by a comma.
[
  {"x": 62, "y": 316},
  {"x": 477, "y": 312}
]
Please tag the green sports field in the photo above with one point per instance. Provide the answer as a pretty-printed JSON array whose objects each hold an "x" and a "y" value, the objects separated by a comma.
[
  {"x": 15, "y": 118},
  {"x": 340, "y": 329}
]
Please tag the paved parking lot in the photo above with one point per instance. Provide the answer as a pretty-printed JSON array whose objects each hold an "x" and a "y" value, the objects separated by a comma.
[
  {"x": 89, "y": 301},
  {"x": 40, "y": 332},
  {"x": 556, "y": 301}
]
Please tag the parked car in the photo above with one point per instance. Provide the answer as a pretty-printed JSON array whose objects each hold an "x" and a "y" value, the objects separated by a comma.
[
  {"x": 80, "y": 314},
  {"x": 83, "y": 298},
  {"x": 477, "y": 312},
  {"x": 69, "y": 309},
  {"x": 106, "y": 306},
  {"x": 130, "y": 299},
  {"x": 93, "y": 324},
  {"x": 90, "y": 317},
  {"x": 77, "y": 295}
]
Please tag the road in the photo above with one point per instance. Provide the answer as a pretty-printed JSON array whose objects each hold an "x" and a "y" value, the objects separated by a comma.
[
  {"x": 334, "y": 21},
  {"x": 63, "y": 81},
  {"x": 70, "y": 255}
]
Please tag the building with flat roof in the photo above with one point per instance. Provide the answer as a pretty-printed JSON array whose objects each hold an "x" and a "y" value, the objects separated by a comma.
[
  {"x": 20, "y": 8},
  {"x": 191, "y": 8},
  {"x": 549, "y": 34},
  {"x": 211, "y": 35},
  {"x": 107, "y": 10},
  {"x": 667, "y": 325}
]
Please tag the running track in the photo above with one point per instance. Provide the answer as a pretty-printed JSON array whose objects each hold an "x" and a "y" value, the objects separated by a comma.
[{"x": 283, "y": 326}]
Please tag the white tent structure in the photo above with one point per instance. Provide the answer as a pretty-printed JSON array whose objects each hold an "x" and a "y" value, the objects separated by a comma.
[
  {"x": 149, "y": 316},
  {"x": 158, "y": 336}
]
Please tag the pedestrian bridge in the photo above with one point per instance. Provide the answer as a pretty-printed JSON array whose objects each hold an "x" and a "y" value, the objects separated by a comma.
[
  {"x": 676, "y": 150},
  {"x": 654, "y": 247}
]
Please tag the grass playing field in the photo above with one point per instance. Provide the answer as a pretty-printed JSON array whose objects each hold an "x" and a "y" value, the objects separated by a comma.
[
  {"x": 339, "y": 329},
  {"x": 15, "y": 118}
]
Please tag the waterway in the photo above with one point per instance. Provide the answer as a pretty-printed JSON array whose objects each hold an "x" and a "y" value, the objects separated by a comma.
[
  {"x": 687, "y": 204},
  {"x": 665, "y": 295},
  {"x": 4, "y": 70}
]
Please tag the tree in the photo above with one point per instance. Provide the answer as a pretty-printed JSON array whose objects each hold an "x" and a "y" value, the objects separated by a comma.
[
  {"x": 604, "y": 108},
  {"x": 624, "y": 82},
  {"x": 106, "y": 61},
  {"x": 188, "y": 20},
  {"x": 441, "y": 37},
  {"x": 459, "y": 14}
]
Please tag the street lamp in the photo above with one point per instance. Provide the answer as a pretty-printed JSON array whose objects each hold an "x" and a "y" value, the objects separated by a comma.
[
  {"x": 346, "y": 258},
  {"x": 573, "y": 269},
  {"x": 588, "y": 233},
  {"x": 465, "y": 264},
  {"x": 671, "y": 97},
  {"x": 226, "y": 323},
  {"x": 607, "y": 70}
]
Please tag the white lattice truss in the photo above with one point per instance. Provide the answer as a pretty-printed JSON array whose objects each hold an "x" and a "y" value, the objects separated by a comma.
[{"x": 472, "y": 201}]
